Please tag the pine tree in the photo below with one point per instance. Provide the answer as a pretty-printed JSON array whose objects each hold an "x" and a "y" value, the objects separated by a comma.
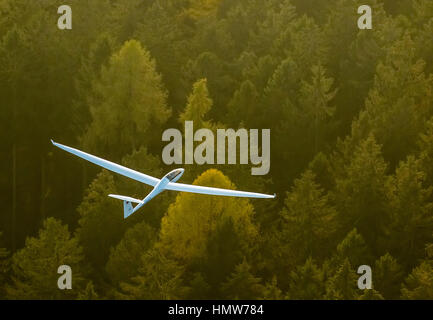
[
  {"x": 223, "y": 252},
  {"x": 90, "y": 71},
  {"x": 88, "y": 293},
  {"x": 412, "y": 217},
  {"x": 309, "y": 220},
  {"x": 271, "y": 290},
  {"x": 361, "y": 193},
  {"x": 219, "y": 79},
  {"x": 159, "y": 278},
  {"x": 371, "y": 294},
  {"x": 425, "y": 150},
  {"x": 302, "y": 109},
  {"x": 199, "y": 104},
  {"x": 129, "y": 104},
  {"x": 101, "y": 222},
  {"x": 125, "y": 258},
  {"x": 242, "y": 284},
  {"x": 398, "y": 104},
  {"x": 353, "y": 248},
  {"x": 243, "y": 106},
  {"x": 4, "y": 268},
  {"x": 306, "y": 282},
  {"x": 34, "y": 268},
  {"x": 387, "y": 277},
  {"x": 200, "y": 289},
  {"x": 343, "y": 285},
  {"x": 419, "y": 284},
  {"x": 315, "y": 102}
]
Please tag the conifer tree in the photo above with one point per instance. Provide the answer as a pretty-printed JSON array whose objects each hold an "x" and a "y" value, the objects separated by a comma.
[
  {"x": 398, "y": 104},
  {"x": 309, "y": 219},
  {"x": 4, "y": 268},
  {"x": 88, "y": 293},
  {"x": 242, "y": 284},
  {"x": 419, "y": 284},
  {"x": 242, "y": 106},
  {"x": 101, "y": 222},
  {"x": 370, "y": 294},
  {"x": 361, "y": 193},
  {"x": 271, "y": 290},
  {"x": 159, "y": 278},
  {"x": 353, "y": 248},
  {"x": 343, "y": 285},
  {"x": 315, "y": 102},
  {"x": 412, "y": 217},
  {"x": 306, "y": 282},
  {"x": 129, "y": 103},
  {"x": 387, "y": 277},
  {"x": 34, "y": 268},
  {"x": 125, "y": 257},
  {"x": 199, "y": 104}
]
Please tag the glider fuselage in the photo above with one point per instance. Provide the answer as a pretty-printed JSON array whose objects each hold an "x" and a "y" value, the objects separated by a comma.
[{"x": 172, "y": 176}]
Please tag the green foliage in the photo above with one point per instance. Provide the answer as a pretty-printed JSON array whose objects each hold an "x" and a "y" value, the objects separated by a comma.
[
  {"x": 398, "y": 105},
  {"x": 354, "y": 249},
  {"x": 223, "y": 253},
  {"x": 412, "y": 217},
  {"x": 198, "y": 105},
  {"x": 88, "y": 293},
  {"x": 343, "y": 285},
  {"x": 101, "y": 220},
  {"x": 351, "y": 117},
  {"x": 200, "y": 289},
  {"x": 125, "y": 258},
  {"x": 242, "y": 284},
  {"x": 309, "y": 220},
  {"x": 159, "y": 278},
  {"x": 361, "y": 193},
  {"x": 425, "y": 146},
  {"x": 387, "y": 277},
  {"x": 271, "y": 291},
  {"x": 34, "y": 268},
  {"x": 370, "y": 294},
  {"x": 129, "y": 99},
  {"x": 242, "y": 105},
  {"x": 306, "y": 282},
  {"x": 419, "y": 284},
  {"x": 4, "y": 268},
  {"x": 315, "y": 99}
]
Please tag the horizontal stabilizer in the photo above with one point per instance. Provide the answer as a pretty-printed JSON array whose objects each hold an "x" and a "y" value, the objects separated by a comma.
[
  {"x": 129, "y": 199},
  {"x": 128, "y": 209}
]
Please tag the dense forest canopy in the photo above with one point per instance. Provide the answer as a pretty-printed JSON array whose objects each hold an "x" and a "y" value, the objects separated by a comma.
[{"x": 351, "y": 119}]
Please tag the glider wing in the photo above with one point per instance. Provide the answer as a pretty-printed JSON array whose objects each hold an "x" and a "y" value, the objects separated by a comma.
[
  {"x": 216, "y": 191},
  {"x": 135, "y": 175}
]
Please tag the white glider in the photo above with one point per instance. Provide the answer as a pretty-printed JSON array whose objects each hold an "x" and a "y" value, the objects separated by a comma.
[{"x": 168, "y": 182}]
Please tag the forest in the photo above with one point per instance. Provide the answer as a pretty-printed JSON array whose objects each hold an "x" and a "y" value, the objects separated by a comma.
[{"x": 350, "y": 113}]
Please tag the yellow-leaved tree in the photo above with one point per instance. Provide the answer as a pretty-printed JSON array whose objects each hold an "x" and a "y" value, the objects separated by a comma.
[{"x": 193, "y": 219}]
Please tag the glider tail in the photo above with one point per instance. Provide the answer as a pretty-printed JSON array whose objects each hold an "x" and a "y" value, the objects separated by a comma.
[{"x": 128, "y": 209}]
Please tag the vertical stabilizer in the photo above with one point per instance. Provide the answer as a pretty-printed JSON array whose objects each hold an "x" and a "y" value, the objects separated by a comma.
[{"x": 128, "y": 209}]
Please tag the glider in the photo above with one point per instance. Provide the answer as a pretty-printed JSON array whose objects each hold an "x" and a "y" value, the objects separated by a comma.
[{"x": 168, "y": 182}]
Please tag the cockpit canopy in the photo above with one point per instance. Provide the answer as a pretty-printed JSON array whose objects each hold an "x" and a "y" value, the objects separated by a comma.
[{"x": 175, "y": 174}]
